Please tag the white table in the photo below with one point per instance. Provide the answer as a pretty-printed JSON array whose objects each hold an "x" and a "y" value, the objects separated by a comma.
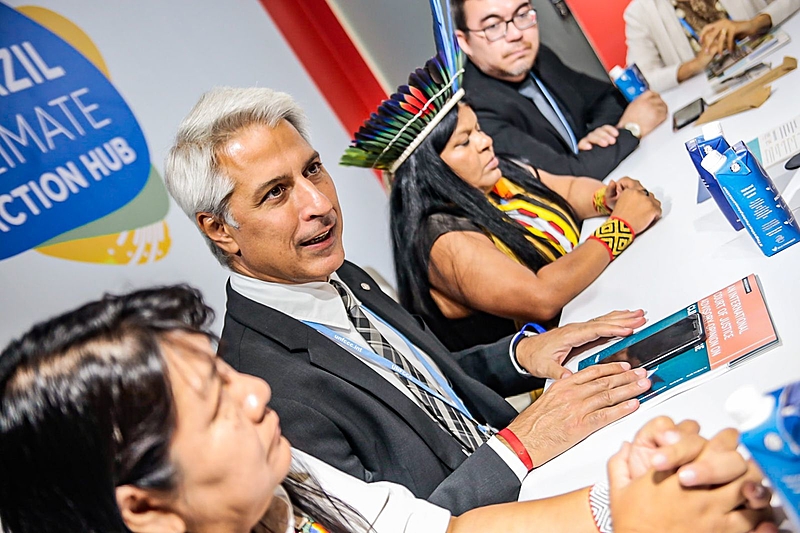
[{"x": 689, "y": 254}]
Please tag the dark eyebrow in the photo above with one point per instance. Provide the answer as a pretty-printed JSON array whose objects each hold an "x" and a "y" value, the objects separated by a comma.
[
  {"x": 262, "y": 189},
  {"x": 495, "y": 15},
  {"x": 311, "y": 159},
  {"x": 265, "y": 187},
  {"x": 462, "y": 131}
]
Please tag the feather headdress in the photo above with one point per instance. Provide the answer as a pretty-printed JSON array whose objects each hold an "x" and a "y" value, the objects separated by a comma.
[{"x": 402, "y": 122}]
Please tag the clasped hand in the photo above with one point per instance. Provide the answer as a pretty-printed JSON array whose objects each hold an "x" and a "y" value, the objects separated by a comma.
[{"x": 648, "y": 479}]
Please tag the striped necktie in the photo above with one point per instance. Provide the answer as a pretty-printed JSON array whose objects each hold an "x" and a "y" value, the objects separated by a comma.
[{"x": 464, "y": 429}]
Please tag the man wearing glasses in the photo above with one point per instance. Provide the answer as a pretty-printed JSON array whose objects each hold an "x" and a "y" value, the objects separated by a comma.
[{"x": 537, "y": 108}]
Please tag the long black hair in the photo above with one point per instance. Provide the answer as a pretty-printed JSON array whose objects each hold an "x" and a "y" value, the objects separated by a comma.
[
  {"x": 424, "y": 185},
  {"x": 86, "y": 406}
]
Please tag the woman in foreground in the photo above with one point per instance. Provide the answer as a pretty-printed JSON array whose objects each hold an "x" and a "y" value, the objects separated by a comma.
[{"x": 118, "y": 417}]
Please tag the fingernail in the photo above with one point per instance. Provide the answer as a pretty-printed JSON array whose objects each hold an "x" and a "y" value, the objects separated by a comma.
[
  {"x": 687, "y": 476},
  {"x": 632, "y": 404},
  {"x": 760, "y": 491},
  {"x": 659, "y": 459},
  {"x": 643, "y": 383},
  {"x": 672, "y": 437},
  {"x": 641, "y": 372},
  {"x": 625, "y": 365}
]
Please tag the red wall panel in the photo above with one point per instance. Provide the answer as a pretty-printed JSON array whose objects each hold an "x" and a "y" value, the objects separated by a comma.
[
  {"x": 601, "y": 21},
  {"x": 330, "y": 57}
]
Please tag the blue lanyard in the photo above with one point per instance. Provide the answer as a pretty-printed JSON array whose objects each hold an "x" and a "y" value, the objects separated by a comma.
[
  {"x": 356, "y": 349},
  {"x": 560, "y": 115},
  {"x": 689, "y": 29}
]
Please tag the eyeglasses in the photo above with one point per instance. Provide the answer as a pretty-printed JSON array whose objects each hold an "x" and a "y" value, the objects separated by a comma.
[{"x": 522, "y": 20}]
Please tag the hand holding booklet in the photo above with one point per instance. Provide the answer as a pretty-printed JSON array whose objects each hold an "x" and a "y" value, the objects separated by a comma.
[
  {"x": 748, "y": 52},
  {"x": 705, "y": 338}
]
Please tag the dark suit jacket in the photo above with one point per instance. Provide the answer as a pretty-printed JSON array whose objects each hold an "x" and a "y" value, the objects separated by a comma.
[
  {"x": 520, "y": 130},
  {"x": 336, "y": 408}
]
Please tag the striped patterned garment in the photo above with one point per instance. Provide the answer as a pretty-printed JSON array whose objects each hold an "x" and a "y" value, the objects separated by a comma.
[{"x": 553, "y": 231}]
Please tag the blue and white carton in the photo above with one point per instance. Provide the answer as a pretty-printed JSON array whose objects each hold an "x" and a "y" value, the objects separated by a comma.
[
  {"x": 630, "y": 81},
  {"x": 712, "y": 139},
  {"x": 770, "y": 428},
  {"x": 754, "y": 196}
]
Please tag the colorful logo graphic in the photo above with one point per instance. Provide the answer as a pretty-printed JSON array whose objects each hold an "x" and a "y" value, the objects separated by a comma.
[{"x": 76, "y": 180}]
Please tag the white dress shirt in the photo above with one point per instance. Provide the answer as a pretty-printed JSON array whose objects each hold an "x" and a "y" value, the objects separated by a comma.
[
  {"x": 658, "y": 45},
  {"x": 387, "y": 507},
  {"x": 319, "y": 302}
]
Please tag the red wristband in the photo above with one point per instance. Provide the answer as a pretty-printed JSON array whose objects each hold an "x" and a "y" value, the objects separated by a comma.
[
  {"x": 601, "y": 241},
  {"x": 517, "y": 446}
]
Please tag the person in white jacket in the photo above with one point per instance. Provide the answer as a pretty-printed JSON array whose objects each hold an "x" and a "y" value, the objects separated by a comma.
[{"x": 660, "y": 47}]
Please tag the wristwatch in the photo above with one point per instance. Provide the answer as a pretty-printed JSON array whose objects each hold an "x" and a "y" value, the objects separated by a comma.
[{"x": 634, "y": 128}]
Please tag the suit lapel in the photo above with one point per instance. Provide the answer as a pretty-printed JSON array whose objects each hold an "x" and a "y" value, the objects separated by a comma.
[
  {"x": 524, "y": 108},
  {"x": 478, "y": 399},
  {"x": 328, "y": 356},
  {"x": 555, "y": 84},
  {"x": 325, "y": 354},
  {"x": 543, "y": 122},
  {"x": 370, "y": 295}
]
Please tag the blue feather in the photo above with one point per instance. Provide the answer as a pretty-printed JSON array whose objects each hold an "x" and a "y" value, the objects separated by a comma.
[{"x": 444, "y": 36}]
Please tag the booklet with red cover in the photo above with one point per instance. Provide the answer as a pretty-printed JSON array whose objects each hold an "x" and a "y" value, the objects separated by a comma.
[{"x": 711, "y": 335}]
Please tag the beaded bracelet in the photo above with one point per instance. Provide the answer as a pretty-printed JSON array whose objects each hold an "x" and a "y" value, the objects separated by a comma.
[
  {"x": 599, "y": 201},
  {"x": 615, "y": 234}
]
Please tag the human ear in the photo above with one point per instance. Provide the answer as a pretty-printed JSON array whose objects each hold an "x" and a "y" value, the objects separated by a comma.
[
  {"x": 463, "y": 43},
  {"x": 144, "y": 511},
  {"x": 218, "y": 232}
]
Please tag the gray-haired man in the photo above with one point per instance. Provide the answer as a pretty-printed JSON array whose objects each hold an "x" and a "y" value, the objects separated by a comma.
[{"x": 302, "y": 317}]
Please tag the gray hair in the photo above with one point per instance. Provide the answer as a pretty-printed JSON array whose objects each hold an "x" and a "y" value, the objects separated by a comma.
[{"x": 192, "y": 173}]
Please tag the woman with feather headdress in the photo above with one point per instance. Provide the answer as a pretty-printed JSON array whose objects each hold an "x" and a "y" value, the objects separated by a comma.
[{"x": 483, "y": 243}]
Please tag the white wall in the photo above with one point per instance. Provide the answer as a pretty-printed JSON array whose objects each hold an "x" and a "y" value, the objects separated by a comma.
[{"x": 162, "y": 54}]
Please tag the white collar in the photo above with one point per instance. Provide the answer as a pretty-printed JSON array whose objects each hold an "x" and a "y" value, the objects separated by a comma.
[{"x": 316, "y": 301}]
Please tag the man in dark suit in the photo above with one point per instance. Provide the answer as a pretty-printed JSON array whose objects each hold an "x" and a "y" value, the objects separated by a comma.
[
  {"x": 300, "y": 317},
  {"x": 537, "y": 108}
]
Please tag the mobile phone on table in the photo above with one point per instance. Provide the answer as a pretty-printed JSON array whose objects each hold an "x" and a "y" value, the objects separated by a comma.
[
  {"x": 662, "y": 345},
  {"x": 688, "y": 114}
]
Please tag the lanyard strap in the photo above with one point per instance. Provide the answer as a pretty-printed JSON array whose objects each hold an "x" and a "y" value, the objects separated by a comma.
[
  {"x": 356, "y": 349},
  {"x": 437, "y": 376},
  {"x": 557, "y": 109},
  {"x": 688, "y": 29}
]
